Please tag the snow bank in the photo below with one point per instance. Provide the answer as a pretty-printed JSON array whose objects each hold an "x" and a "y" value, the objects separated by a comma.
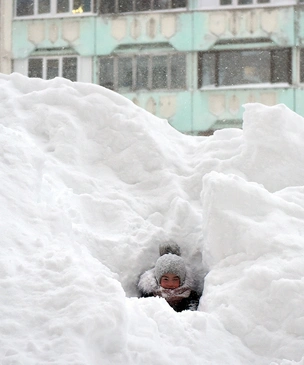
[{"x": 91, "y": 184}]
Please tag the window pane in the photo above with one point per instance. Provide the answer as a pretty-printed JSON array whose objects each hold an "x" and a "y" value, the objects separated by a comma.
[
  {"x": 244, "y": 67},
  {"x": 208, "y": 69},
  {"x": 35, "y": 67},
  {"x": 143, "y": 5},
  {"x": 281, "y": 63},
  {"x": 255, "y": 66},
  {"x": 81, "y": 6},
  {"x": 44, "y": 6},
  {"x": 52, "y": 68},
  {"x": 245, "y": 2},
  {"x": 63, "y": 6},
  {"x": 106, "y": 72},
  {"x": 179, "y": 4},
  {"x": 107, "y": 6},
  {"x": 302, "y": 65},
  {"x": 69, "y": 68},
  {"x": 87, "y": 6},
  {"x": 226, "y": 2},
  {"x": 263, "y": 1},
  {"x": 142, "y": 69},
  {"x": 178, "y": 71},
  {"x": 160, "y": 4},
  {"x": 159, "y": 72},
  {"x": 25, "y": 7},
  {"x": 125, "y": 6},
  {"x": 125, "y": 73}
]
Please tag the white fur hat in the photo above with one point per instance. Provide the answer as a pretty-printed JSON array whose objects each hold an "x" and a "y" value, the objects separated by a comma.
[{"x": 170, "y": 263}]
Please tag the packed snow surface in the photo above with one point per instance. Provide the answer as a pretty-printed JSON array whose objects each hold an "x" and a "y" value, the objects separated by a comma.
[{"x": 91, "y": 185}]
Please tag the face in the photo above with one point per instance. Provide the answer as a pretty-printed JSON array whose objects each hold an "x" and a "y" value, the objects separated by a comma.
[{"x": 169, "y": 281}]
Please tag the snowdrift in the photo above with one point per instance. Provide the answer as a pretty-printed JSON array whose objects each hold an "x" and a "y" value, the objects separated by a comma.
[{"x": 91, "y": 184}]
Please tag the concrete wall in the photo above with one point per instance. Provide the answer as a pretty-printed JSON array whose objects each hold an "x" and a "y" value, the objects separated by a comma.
[{"x": 5, "y": 36}]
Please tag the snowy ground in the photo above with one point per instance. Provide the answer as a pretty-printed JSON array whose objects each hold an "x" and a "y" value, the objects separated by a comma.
[{"x": 91, "y": 184}]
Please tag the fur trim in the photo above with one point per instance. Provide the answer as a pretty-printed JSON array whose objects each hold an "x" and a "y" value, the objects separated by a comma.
[{"x": 147, "y": 283}]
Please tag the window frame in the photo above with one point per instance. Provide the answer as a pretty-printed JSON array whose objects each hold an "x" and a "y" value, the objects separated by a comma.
[
  {"x": 60, "y": 59},
  {"x": 53, "y": 10},
  {"x": 216, "y": 71},
  {"x": 235, "y": 3},
  {"x": 301, "y": 65},
  {"x": 116, "y": 7},
  {"x": 216, "y": 4},
  {"x": 150, "y": 56}
]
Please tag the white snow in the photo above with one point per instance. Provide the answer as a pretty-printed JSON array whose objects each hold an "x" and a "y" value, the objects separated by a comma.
[{"x": 91, "y": 185}]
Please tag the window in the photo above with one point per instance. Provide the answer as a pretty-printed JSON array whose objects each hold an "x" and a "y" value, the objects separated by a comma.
[
  {"x": 24, "y": 7},
  {"x": 106, "y": 72},
  {"x": 143, "y": 72},
  {"x": 52, "y": 7},
  {"x": 241, "y": 67},
  {"x": 159, "y": 72},
  {"x": 302, "y": 65},
  {"x": 244, "y": 2},
  {"x": 50, "y": 67},
  {"x": 124, "y": 6},
  {"x": 35, "y": 66}
]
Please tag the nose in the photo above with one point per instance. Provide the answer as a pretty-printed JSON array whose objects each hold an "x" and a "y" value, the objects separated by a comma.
[{"x": 171, "y": 285}]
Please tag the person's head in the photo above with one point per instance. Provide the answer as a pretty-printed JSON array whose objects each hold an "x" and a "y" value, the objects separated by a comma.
[{"x": 170, "y": 271}]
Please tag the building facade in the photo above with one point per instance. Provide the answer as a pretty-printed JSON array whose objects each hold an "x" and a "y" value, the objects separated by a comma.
[
  {"x": 6, "y": 13},
  {"x": 193, "y": 62}
]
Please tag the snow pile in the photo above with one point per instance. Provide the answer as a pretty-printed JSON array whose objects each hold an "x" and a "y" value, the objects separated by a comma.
[{"x": 92, "y": 184}]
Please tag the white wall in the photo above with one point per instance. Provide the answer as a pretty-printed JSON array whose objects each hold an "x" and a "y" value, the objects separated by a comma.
[
  {"x": 20, "y": 66},
  {"x": 85, "y": 69},
  {"x": 6, "y": 9}
]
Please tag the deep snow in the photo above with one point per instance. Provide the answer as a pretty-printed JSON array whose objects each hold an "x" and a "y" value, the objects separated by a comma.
[{"x": 91, "y": 185}]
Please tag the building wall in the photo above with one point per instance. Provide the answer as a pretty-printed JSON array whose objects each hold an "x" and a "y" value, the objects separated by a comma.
[
  {"x": 5, "y": 36},
  {"x": 203, "y": 26}
]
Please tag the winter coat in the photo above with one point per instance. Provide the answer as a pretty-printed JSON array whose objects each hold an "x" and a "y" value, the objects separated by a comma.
[{"x": 182, "y": 298}]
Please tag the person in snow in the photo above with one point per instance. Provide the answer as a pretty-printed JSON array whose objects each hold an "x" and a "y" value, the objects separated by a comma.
[{"x": 170, "y": 280}]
